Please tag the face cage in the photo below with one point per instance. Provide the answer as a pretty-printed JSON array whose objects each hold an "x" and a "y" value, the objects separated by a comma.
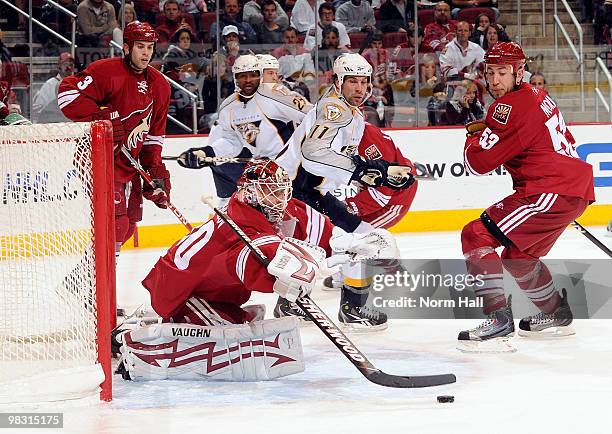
[{"x": 270, "y": 197}]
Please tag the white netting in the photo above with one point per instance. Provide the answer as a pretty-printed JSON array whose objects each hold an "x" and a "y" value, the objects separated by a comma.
[{"x": 47, "y": 273}]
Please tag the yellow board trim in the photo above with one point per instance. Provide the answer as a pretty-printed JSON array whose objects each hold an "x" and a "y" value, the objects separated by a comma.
[{"x": 414, "y": 221}]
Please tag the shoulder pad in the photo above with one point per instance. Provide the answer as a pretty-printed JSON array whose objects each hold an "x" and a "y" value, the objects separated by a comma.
[
  {"x": 280, "y": 93},
  {"x": 334, "y": 109},
  {"x": 227, "y": 101}
]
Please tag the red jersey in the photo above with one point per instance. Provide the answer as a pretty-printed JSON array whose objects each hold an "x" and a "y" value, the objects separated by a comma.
[
  {"x": 436, "y": 36},
  {"x": 527, "y": 134},
  {"x": 213, "y": 263},
  {"x": 141, "y": 99},
  {"x": 376, "y": 145}
]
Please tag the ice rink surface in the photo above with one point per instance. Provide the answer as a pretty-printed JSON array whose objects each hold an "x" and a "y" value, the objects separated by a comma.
[{"x": 559, "y": 386}]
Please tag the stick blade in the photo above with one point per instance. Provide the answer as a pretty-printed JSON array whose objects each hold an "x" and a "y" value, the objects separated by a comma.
[{"x": 404, "y": 382}]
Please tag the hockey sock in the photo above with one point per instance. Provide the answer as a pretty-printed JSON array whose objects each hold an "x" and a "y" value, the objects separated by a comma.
[
  {"x": 534, "y": 278},
  {"x": 481, "y": 259},
  {"x": 355, "y": 296}
]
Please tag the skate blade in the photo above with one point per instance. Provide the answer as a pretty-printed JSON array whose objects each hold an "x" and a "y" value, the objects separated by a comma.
[
  {"x": 495, "y": 345},
  {"x": 549, "y": 333},
  {"x": 360, "y": 328},
  {"x": 330, "y": 289}
]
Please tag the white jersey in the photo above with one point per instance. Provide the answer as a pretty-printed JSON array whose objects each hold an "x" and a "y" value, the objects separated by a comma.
[
  {"x": 262, "y": 124},
  {"x": 324, "y": 143}
]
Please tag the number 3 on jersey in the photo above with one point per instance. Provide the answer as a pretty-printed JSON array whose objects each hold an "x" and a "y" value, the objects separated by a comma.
[
  {"x": 85, "y": 82},
  {"x": 488, "y": 139}
]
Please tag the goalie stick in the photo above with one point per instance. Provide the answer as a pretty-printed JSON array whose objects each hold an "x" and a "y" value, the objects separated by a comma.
[
  {"x": 334, "y": 334},
  {"x": 143, "y": 173},
  {"x": 592, "y": 238}
]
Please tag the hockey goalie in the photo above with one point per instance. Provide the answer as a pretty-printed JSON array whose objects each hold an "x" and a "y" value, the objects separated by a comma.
[{"x": 200, "y": 285}]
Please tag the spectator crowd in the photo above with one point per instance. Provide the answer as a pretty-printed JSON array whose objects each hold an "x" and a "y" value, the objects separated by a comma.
[{"x": 197, "y": 47}]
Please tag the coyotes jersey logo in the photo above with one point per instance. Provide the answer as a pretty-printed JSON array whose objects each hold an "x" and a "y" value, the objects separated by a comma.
[
  {"x": 372, "y": 152},
  {"x": 249, "y": 131},
  {"x": 139, "y": 133}
]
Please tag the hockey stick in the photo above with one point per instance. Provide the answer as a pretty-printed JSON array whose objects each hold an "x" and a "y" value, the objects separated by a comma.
[
  {"x": 422, "y": 173},
  {"x": 220, "y": 160},
  {"x": 334, "y": 334},
  {"x": 592, "y": 238},
  {"x": 143, "y": 173}
]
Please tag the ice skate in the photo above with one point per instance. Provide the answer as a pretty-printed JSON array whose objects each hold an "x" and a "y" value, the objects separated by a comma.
[
  {"x": 361, "y": 318},
  {"x": 492, "y": 336},
  {"x": 286, "y": 308},
  {"x": 333, "y": 282},
  {"x": 556, "y": 324}
]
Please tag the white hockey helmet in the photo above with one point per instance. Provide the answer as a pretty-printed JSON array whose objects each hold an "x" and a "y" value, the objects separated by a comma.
[
  {"x": 267, "y": 61},
  {"x": 245, "y": 63},
  {"x": 351, "y": 64}
]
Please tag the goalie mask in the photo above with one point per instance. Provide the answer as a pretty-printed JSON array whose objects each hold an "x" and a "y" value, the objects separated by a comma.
[
  {"x": 246, "y": 86},
  {"x": 266, "y": 186}
]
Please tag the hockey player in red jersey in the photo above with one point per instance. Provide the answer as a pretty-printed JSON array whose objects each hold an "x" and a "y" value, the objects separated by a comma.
[
  {"x": 134, "y": 97},
  {"x": 525, "y": 132},
  {"x": 205, "y": 278},
  {"x": 381, "y": 206}
]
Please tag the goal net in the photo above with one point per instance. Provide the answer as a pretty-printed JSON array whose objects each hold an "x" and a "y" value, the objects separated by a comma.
[{"x": 56, "y": 261}]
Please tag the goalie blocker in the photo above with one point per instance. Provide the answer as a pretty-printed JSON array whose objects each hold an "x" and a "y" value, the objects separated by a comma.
[{"x": 255, "y": 351}]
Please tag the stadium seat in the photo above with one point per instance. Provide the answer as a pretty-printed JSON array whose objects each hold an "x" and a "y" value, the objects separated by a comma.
[
  {"x": 470, "y": 14},
  {"x": 393, "y": 39},
  {"x": 188, "y": 18},
  {"x": 357, "y": 39},
  {"x": 426, "y": 16}
]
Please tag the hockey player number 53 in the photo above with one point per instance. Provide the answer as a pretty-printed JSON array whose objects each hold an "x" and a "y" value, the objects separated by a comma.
[
  {"x": 488, "y": 139},
  {"x": 557, "y": 129},
  {"x": 192, "y": 244}
]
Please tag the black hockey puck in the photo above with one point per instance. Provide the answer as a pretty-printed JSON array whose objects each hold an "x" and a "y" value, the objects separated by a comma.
[{"x": 446, "y": 398}]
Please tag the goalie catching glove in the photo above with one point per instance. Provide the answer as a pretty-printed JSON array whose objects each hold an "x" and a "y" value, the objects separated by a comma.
[
  {"x": 296, "y": 266},
  {"x": 375, "y": 173},
  {"x": 196, "y": 158},
  {"x": 376, "y": 244}
]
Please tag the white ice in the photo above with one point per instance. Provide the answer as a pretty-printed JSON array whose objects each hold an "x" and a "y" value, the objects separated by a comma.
[{"x": 561, "y": 386}]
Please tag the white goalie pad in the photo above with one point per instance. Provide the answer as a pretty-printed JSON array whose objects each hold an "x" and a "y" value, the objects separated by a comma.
[{"x": 260, "y": 350}]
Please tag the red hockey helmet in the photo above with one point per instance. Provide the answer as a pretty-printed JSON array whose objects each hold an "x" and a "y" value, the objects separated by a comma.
[
  {"x": 506, "y": 53},
  {"x": 139, "y": 31},
  {"x": 266, "y": 186}
]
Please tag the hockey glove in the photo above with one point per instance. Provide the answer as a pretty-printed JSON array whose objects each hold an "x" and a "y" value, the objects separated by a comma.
[
  {"x": 119, "y": 135},
  {"x": 399, "y": 177},
  {"x": 474, "y": 127},
  {"x": 372, "y": 173},
  {"x": 196, "y": 158},
  {"x": 160, "y": 194}
]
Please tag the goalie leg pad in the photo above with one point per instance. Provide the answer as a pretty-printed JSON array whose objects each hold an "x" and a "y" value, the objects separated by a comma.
[{"x": 261, "y": 350}]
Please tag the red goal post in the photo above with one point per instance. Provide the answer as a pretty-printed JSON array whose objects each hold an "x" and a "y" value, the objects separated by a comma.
[{"x": 57, "y": 263}]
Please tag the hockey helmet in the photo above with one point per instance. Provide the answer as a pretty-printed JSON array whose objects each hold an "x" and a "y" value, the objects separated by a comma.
[
  {"x": 351, "y": 64},
  {"x": 506, "y": 53},
  {"x": 245, "y": 63},
  {"x": 267, "y": 187},
  {"x": 139, "y": 31},
  {"x": 267, "y": 61}
]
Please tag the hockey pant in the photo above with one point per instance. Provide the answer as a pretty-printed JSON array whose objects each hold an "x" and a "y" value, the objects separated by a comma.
[
  {"x": 226, "y": 176},
  {"x": 128, "y": 209}
]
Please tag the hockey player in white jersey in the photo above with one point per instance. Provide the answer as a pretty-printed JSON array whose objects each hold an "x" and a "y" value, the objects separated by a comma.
[
  {"x": 322, "y": 155},
  {"x": 255, "y": 121}
]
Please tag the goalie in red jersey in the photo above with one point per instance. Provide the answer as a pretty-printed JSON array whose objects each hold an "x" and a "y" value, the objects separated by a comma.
[
  {"x": 525, "y": 132},
  {"x": 134, "y": 97},
  {"x": 200, "y": 285}
]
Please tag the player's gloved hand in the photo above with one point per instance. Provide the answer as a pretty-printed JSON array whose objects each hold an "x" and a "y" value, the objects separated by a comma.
[
  {"x": 196, "y": 158},
  {"x": 160, "y": 194},
  {"x": 474, "y": 127},
  {"x": 372, "y": 173},
  {"x": 399, "y": 177},
  {"x": 119, "y": 135}
]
